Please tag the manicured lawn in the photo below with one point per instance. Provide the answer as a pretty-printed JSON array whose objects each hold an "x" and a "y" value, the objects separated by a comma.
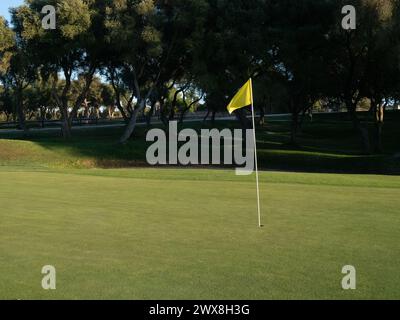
[
  {"x": 192, "y": 234},
  {"x": 157, "y": 233},
  {"x": 325, "y": 145}
]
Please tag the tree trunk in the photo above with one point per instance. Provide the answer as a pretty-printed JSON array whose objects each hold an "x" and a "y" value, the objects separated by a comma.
[
  {"x": 65, "y": 124},
  {"x": 262, "y": 116},
  {"x": 245, "y": 123},
  {"x": 149, "y": 115},
  {"x": 66, "y": 129},
  {"x": 171, "y": 116},
  {"x": 378, "y": 137},
  {"x": 207, "y": 115},
  {"x": 214, "y": 113},
  {"x": 21, "y": 111},
  {"x": 163, "y": 114},
  {"x": 379, "y": 122},
  {"x": 132, "y": 122},
  {"x": 62, "y": 102},
  {"x": 294, "y": 128},
  {"x": 183, "y": 113},
  {"x": 42, "y": 116},
  {"x": 301, "y": 121},
  {"x": 358, "y": 126},
  {"x": 363, "y": 132},
  {"x": 82, "y": 97},
  {"x": 122, "y": 111}
]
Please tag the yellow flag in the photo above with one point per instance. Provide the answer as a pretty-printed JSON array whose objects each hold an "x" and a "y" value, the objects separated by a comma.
[{"x": 243, "y": 98}]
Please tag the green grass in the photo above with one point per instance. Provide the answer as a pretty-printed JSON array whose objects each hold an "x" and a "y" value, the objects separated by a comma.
[
  {"x": 192, "y": 234},
  {"x": 117, "y": 230},
  {"x": 326, "y": 145}
]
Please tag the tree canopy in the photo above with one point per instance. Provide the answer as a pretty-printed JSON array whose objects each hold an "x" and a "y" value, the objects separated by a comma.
[{"x": 143, "y": 50}]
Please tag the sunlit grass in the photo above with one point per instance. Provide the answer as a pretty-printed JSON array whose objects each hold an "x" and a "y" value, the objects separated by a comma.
[{"x": 192, "y": 234}]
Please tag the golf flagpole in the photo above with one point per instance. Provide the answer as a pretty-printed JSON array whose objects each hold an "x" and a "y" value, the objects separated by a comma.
[{"x": 255, "y": 154}]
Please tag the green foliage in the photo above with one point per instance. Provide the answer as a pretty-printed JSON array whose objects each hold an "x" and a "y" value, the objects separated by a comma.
[
  {"x": 74, "y": 18},
  {"x": 296, "y": 52}
]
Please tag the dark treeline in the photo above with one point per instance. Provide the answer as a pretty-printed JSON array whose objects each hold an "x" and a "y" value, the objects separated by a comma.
[{"x": 138, "y": 56}]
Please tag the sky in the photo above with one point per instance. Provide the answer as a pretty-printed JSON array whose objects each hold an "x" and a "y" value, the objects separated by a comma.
[{"x": 5, "y": 4}]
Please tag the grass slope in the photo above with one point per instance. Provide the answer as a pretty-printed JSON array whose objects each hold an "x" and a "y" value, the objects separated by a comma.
[
  {"x": 326, "y": 145},
  {"x": 191, "y": 234}
]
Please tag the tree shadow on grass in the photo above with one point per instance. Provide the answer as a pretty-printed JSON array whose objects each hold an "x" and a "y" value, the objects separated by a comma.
[{"x": 99, "y": 148}]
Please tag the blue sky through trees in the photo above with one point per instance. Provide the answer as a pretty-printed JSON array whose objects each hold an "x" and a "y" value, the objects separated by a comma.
[{"x": 6, "y": 4}]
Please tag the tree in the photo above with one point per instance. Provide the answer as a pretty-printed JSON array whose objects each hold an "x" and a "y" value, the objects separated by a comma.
[
  {"x": 7, "y": 42},
  {"x": 191, "y": 98},
  {"x": 39, "y": 101},
  {"x": 233, "y": 48},
  {"x": 148, "y": 42},
  {"x": 382, "y": 67},
  {"x": 364, "y": 63},
  {"x": 74, "y": 49},
  {"x": 17, "y": 70},
  {"x": 299, "y": 53},
  {"x": 6, "y": 103}
]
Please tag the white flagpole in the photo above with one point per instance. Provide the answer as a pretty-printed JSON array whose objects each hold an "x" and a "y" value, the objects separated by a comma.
[{"x": 255, "y": 154}]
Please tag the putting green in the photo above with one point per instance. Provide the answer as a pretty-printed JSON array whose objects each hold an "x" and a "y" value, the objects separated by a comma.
[{"x": 192, "y": 234}]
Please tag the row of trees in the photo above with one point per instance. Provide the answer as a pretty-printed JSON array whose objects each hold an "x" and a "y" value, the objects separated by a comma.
[
  {"x": 296, "y": 51},
  {"x": 38, "y": 102}
]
